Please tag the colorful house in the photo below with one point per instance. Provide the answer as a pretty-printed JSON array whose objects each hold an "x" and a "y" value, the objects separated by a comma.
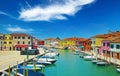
[
  {"x": 81, "y": 43},
  {"x": 115, "y": 48},
  {"x": 21, "y": 41},
  {"x": 87, "y": 46},
  {"x": 97, "y": 42},
  {"x": 68, "y": 42},
  {"x": 8, "y": 42},
  {"x": 105, "y": 49}
]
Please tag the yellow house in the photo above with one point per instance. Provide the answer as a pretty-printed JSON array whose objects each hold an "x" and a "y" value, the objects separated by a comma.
[
  {"x": 7, "y": 42},
  {"x": 67, "y": 42}
]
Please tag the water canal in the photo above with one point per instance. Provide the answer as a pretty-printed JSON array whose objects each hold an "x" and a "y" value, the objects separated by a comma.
[{"x": 69, "y": 64}]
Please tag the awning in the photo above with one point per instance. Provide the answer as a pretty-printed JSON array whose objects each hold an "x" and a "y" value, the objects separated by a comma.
[
  {"x": 35, "y": 46},
  {"x": 21, "y": 46}
]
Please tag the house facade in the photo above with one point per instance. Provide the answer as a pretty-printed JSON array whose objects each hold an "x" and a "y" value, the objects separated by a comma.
[
  {"x": 7, "y": 42},
  {"x": 115, "y": 48},
  {"x": 21, "y": 41}
]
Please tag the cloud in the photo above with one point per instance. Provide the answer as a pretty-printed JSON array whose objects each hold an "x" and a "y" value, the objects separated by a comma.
[
  {"x": 6, "y": 14},
  {"x": 19, "y": 29},
  {"x": 54, "y": 11}
]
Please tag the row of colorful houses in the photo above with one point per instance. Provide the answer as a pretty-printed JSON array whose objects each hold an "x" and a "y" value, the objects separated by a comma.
[
  {"x": 107, "y": 45},
  {"x": 18, "y": 41}
]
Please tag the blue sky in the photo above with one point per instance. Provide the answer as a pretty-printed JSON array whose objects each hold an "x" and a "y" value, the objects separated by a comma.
[{"x": 59, "y": 18}]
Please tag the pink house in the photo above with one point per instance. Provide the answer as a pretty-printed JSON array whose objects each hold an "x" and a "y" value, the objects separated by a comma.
[{"x": 105, "y": 49}]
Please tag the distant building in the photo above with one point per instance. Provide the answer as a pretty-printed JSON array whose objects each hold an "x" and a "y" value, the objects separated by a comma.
[
  {"x": 41, "y": 42},
  {"x": 35, "y": 43},
  {"x": 52, "y": 42},
  {"x": 21, "y": 41}
]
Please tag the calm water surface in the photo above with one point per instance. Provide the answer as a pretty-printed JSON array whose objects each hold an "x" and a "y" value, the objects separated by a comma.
[{"x": 69, "y": 64}]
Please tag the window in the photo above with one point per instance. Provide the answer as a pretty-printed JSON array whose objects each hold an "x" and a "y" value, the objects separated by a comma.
[
  {"x": 1, "y": 42},
  {"x": 28, "y": 42},
  {"x": 112, "y": 46},
  {"x": 18, "y": 42},
  {"x": 112, "y": 54},
  {"x": 23, "y": 42},
  {"x": 18, "y": 37},
  {"x": 108, "y": 44},
  {"x": 15, "y": 37},
  {"x": 104, "y": 51},
  {"x": 103, "y": 44},
  {"x": 10, "y": 42},
  {"x": 117, "y": 55},
  {"x": 5, "y": 42},
  {"x": 23, "y": 37},
  {"x": 94, "y": 42},
  {"x": 28, "y": 37},
  {"x": 10, "y": 38},
  {"x": 117, "y": 46}
]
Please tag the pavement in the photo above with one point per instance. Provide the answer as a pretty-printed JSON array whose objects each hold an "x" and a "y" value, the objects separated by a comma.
[{"x": 10, "y": 58}]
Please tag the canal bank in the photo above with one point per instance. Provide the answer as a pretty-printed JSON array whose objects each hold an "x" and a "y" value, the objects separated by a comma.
[
  {"x": 69, "y": 64},
  {"x": 12, "y": 58}
]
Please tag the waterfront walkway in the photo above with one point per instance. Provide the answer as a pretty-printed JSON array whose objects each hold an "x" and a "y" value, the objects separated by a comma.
[{"x": 10, "y": 58}]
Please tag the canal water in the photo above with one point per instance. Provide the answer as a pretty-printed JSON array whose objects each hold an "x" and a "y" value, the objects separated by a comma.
[{"x": 69, "y": 64}]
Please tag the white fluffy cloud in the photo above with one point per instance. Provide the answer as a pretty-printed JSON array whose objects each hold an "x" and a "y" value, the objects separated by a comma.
[
  {"x": 53, "y": 11},
  {"x": 19, "y": 29}
]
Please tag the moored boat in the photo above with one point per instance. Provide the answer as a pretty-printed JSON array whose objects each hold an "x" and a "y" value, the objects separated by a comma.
[
  {"x": 88, "y": 57},
  {"x": 43, "y": 62},
  {"x": 102, "y": 63},
  {"x": 47, "y": 60}
]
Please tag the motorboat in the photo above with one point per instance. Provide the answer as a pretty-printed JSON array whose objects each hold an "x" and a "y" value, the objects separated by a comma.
[
  {"x": 88, "y": 57},
  {"x": 76, "y": 52},
  {"x": 43, "y": 62},
  {"x": 47, "y": 60},
  {"x": 94, "y": 61},
  {"x": 51, "y": 54},
  {"x": 118, "y": 68},
  {"x": 101, "y": 62}
]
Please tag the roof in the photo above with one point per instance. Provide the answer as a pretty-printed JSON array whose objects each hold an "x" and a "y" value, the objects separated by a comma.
[
  {"x": 75, "y": 39},
  {"x": 102, "y": 36},
  {"x": 19, "y": 34},
  {"x": 116, "y": 40},
  {"x": 52, "y": 39},
  {"x": 117, "y": 33}
]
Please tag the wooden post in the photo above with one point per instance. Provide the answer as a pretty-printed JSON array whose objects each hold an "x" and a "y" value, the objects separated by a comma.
[{"x": 9, "y": 70}]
